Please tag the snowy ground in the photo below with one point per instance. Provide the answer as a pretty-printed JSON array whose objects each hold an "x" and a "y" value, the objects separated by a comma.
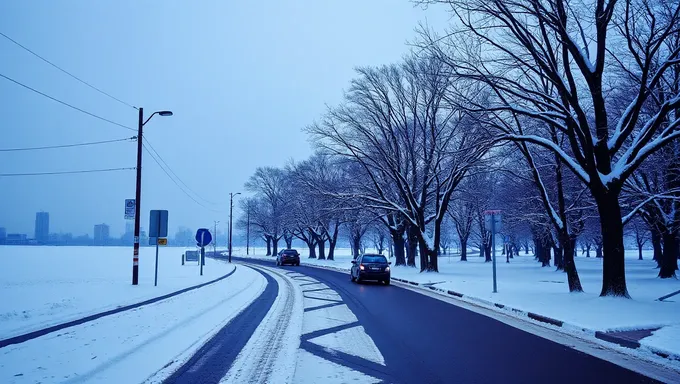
[
  {"x": 144, "y": 344},
  {"x": 524, "y": 285},
  {"x": 43, "y": 286}
]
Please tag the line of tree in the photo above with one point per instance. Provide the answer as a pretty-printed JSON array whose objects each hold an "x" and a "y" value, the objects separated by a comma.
[{"x": 565, "y": 115}]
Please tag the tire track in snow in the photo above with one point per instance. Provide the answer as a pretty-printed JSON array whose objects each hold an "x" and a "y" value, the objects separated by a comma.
[{"x": 270, "y": 353}]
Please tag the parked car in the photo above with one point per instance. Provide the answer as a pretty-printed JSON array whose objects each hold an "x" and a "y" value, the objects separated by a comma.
[
  {"x": 288, "y": 256},
  {"x": 370, "y": 267}
]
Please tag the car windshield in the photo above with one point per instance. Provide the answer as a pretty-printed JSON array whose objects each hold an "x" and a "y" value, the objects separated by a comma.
[
  {"x": 374, "y": 259},
  {"x": 290, "y": 252}
]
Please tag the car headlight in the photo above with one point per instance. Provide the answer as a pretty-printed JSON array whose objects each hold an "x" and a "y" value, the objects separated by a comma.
[
  {"x": 361, "y": 266},
  {"x": 387, "y": 269}
]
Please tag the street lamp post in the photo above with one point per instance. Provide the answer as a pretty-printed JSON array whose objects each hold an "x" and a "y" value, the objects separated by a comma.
[
  {"x": 231, "y": 211},
  {"x": 248, "y": 229},
  {"x": 215, "y": 239},
  {"x": 138, "y": 190}
]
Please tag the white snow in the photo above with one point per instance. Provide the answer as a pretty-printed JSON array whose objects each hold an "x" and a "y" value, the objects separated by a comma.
[
  {"x": 353, "y": 341},
  {"x": 43, "y": 286},
  {"x": 134, "y": 345},
  {"x": 666, "y": 339},
  {"x": 269, "y": 355},
  {"x": 328, "y": 372}
]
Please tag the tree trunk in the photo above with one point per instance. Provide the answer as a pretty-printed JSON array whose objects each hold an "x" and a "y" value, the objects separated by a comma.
[
  {"x": 588, "y": 250},
  {"x": 558, "y": 259},
  {"x": 275, "y": 246},
  {"x": 356, "y": 245},
  {"x": 656, "y": 244},
  {"x": 669, "y": 259},
  {"x": 487, "y": 249},
  {"x": 269, "y": 245},
  {"x": 322, "y": 248},
  {"x": 568, "y": 251},
  {"x": 411, "y": 247},
  {"x": 312, "y": 249},
  {"x": 598, "y": 250},
  {"x": 332, "y": 242},
  {"x": 289, "y": 241},
  {"x": 463, "y": 250},
  {"x": 399, "y": 250},
  {"x": 526, "y": 248},
  {"x": 639, "y": 251},
  {"x": 611, "y": 227}
]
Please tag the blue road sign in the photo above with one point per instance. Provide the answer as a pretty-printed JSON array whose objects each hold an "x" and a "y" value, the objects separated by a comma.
[
  {"x": 203, "y": 237},
  {"x": 158, "y": 223}
]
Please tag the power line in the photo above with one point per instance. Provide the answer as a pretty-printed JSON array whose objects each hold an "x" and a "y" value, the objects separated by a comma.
[
  {"x": 174, "y": 174},
  {"x": 64, "y": 145},
  {"x": 174, "y": 181},
  {"x": 67, "y": 72},
  {"x": 65, "y": 172},
  {"x": 66, "y": 104}
]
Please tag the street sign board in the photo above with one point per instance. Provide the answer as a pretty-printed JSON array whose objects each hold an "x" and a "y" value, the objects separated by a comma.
[
  {"x": 191, "y": 256},
  {"x": 130, "y": 206},
  {"x": 158, "y": 223},
  {"x": 162, "y": 241},
  {"x": 492, "y": 216},
  {"x": 203, "y": 237}
]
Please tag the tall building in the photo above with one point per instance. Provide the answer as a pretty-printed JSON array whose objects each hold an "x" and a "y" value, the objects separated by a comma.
[
  {"x": 42, "y": 227},
  {"x": 3, "y": 235},
  {"x": 101, "y": 234}
]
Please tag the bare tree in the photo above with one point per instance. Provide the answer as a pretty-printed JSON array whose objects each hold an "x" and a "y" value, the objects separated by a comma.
[
  {"x": 413, "y": 146},
  {"x": 546, "y": 61}
]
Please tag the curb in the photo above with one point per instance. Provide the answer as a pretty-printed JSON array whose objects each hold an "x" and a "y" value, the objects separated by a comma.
[
  {"x": 42, "y": 332},
  {"x": 532, "y": 315}
]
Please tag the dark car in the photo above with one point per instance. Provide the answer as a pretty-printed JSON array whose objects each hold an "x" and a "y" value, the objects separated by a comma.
[
  {"x": 288, "y": 256},
  {"x": 370, "y": 267}
]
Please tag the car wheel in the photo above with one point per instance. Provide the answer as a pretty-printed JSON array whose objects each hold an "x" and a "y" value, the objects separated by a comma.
[
  {"x": 351, "y": 278},
  {"x": 358, "y": 279},
  {"x": 297, "y": 264},
  {"x": 387, "y": 282},
  {"x": 277, "y": 263}
]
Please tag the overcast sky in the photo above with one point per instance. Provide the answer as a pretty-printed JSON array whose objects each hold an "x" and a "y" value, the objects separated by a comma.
[{"x": 242, "y": 78}]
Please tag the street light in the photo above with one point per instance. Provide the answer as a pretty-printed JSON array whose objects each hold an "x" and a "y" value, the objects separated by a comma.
[
  {"x": 138, "y": 190},
  {"x": 215, "y": 239},
  {"x": 231, "y": 211}
]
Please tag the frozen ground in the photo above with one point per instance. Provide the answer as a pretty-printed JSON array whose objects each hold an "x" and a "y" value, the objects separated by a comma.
[
  {"x": 144, "y": 344},
  {"x": 524, "y": 285},
  {"x": 43, "y": 286}
]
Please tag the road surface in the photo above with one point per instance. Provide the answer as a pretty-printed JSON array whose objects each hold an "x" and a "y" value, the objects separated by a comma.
[{"x": 351, "y": 332}]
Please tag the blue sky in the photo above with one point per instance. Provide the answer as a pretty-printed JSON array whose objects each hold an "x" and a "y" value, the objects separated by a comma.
[{"x": 242, "y": 78}]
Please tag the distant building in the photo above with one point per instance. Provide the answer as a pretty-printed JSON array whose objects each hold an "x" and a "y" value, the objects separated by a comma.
[
  {"x": 16, "y": 239},
  {"x": 101, "y": 234},
  {"x": 42, "y": 227},
  {"x": 3, "y": 235}
]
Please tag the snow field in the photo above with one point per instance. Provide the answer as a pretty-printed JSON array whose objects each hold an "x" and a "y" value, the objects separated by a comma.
[
  {"x": 43, "y": 286},
  {"x": 133, "y": 346}
]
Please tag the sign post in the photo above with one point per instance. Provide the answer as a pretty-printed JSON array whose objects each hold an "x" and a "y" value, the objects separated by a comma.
[
  {"x": 203, "y": 238},
  {"x": 492, "y": 223},
  {"x": 158, "y": 230}
]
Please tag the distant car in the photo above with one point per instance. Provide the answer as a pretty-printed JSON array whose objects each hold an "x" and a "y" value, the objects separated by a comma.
[
  {"x": 288, "y": 256},
  {"x": 370, "y": 267}
]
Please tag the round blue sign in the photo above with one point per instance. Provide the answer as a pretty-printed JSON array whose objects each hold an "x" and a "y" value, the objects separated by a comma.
[{"x": 203, "y": 237}]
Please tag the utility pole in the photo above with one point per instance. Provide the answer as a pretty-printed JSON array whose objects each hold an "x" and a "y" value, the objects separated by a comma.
[
  {"x": 215, "y": 239},
  {"x": 231, "y": 211},
  {"x": 248, "y": 229},
  {"x": 138, "y": 190},
  {"x": 138, "y": 200}
]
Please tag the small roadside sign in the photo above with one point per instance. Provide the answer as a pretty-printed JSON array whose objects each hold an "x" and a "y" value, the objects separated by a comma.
[
  {"x": 162, "y": 241},
  {"x": 130, "y": 206}
]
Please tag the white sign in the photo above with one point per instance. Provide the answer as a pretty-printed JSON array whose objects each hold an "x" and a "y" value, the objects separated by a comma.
[{"x": 130, "y": 206}]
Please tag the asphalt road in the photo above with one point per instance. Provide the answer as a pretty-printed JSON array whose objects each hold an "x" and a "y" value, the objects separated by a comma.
[{"x": 425, "y": 340}]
